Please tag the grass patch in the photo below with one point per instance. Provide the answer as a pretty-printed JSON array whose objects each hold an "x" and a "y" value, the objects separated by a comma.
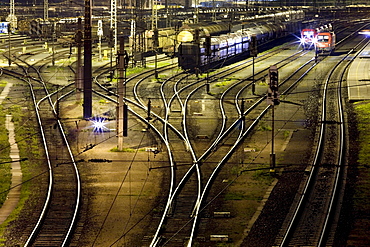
[
  {"x": 128, "y": 150},
  {"x": 263, "y": 126},
  {"x": 263, "y": 175},
  {"x": 131, "y": 71},
  {"x": 264, "y": 84},
  {"x": 242, "y": 196},
  {"x": 286, "y": 134},
  {"x": 5, "y": 171},
  {"x": 27, "y": 138},
  {"x": 223, "y": 83},
  {"x": 236, "y": 196},
  {"x": 3, "y": 83},
  {"x": 362, "y": 110},
  {"x": 363, "y": 117}
]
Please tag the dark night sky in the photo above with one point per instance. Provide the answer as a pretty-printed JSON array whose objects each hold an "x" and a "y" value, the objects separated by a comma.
[
  {"x": 37, "y": 2},
  {"x": 51, "y": 2}
]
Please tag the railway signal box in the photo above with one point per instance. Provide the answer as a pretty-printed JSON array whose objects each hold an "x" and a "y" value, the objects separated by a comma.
[
  {"x": 253, "y": 46},
  {"x": 207, "y": 45},
  {"x": 272, "y": 92}
]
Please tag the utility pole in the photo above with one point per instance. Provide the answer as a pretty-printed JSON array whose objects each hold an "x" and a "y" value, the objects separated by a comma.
[
  {"x": 9, "y": 31},
  {"x": 122, "y": 107},
  {"x": 100, "y": 34},
  {"x": 87, "y": 105},
  {"x": 155, "y": 47},
  {"x": 208, "y": 53},
  {"x": 155, "y": 34},
  {"x": 196, "y": 14},
  {"x": 12, "y": 19},
  {"x": 113, "y": 23},
  {"x": 79, "y": 78},
  {"x": 273, "y": 99},
  {"x": 154, "y": 14},
  {"x": 53, "y": 37},
  {"x": 46, "y": 10},
  {"x": 253, "y": 53}
]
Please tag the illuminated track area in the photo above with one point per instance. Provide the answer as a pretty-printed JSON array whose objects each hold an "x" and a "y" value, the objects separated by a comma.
[
  {"x": 200, "y": 127},
  {"x": 313, "y": 220},
  {"x": 57, "y": 218},
  {"x": 193, "y": 170}
]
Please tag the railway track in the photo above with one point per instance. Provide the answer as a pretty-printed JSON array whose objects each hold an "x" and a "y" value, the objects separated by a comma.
[
  {"x": 173, "y": 123},
  {"x": 56, "y": 221},
  {"x": 195, "y": 171},
  {"x": 182, "y": 211},
  {"x": 313, "y": 219}
]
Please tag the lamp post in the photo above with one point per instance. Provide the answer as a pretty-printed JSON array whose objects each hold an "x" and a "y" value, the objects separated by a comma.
[
  {"x": 253, "y": 53},
  {"x": 122, "y": 107},
  {"x": 9, "y": 31}
]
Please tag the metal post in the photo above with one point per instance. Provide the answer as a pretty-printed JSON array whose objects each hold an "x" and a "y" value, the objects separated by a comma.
[
  {"x": 78, "y": 77},
  {"x": 87, "y": 105},
  {"x": 253, "y": 82},
  {"x": 156, "y": 64},
  {"x": 100, "y": 34},
  {"x": 77, "y": 135},
  {"x": 242, "y": 108},
  {"x": 53, "y": 37},
  {"x": 9, "y": 31},
  {"x": 121, "y": 92},
  {"x": 272, "y": 155}
]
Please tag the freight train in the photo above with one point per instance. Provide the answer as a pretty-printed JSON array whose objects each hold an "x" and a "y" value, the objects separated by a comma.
[
  {"x": 167, "y": 38},
  {"x": 197, "y": 51}
]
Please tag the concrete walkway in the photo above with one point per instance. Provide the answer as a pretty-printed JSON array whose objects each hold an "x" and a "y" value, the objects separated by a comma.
[{"x": 14, "y": 194}]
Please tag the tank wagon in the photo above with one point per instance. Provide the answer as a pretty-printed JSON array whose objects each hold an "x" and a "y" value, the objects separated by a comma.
[{"x": 196, "y": 50}]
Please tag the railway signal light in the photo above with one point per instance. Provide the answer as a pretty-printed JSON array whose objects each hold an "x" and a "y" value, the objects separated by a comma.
[
  {"x": 274, "y": 78},
  {"x": 197, "y": 36},
  {"x": 155, "y": 38},
  {"x": 207, "y": 44},
  {"x": 111, "y": 38},
  {"x": 253, "y": 46},
  {"x": 126, "y": 60},
  {"x": 78, "y": 37},
  {"x": 272, "y": 93}
]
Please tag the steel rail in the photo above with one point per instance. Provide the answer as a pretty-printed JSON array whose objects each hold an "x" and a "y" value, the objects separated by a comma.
[
  {"x": 316, "y": 160},
  {"x": 45, "y": 209}
]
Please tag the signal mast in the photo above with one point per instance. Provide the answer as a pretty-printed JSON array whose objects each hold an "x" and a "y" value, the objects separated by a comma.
[
  {"x": 46, "y": 10},
  {"x": 12, "y": 19},
  {"x": 154, "y": 14},
  {"x": 113, "y": 23}
]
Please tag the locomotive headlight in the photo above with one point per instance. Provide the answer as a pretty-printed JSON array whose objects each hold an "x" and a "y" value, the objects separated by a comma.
[
  {"x": 185, "y": 36},
  {"x": 366, "y": 32}
]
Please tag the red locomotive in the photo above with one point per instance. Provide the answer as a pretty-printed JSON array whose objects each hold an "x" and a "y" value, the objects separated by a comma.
[
  {"x": 308, "y": 37},
  {"x": 325, "y": 42}
]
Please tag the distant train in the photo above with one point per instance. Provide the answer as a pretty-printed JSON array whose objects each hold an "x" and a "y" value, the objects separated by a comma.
[
  {"x": 308, "y": 38},
  {"x": 325, "y": 42},
  {"x": 196, "y": 51},
  {"x": 194, "y": 54},
  {"x": 167, "y": 38},
  {"x": 321, "y": 38}
]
